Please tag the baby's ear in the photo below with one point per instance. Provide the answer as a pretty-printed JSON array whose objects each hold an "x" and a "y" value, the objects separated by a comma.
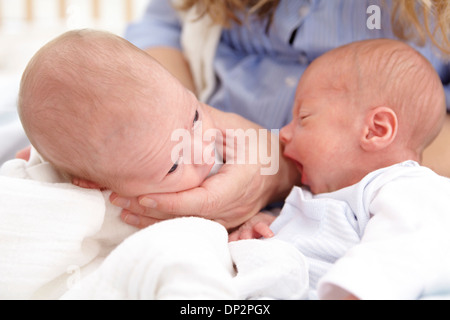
[
  {"x": 380, "y": 128},
  {"x": 83, "y": 183}
]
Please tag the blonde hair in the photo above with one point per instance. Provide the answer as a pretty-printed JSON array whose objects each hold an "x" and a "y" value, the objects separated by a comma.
[
  {"x": 412, "y": 20},
  {"x": 224, "y": 12},
  {"x": 422, "y": 19}
]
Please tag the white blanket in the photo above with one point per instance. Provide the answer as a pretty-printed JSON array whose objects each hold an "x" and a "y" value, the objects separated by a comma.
[
  {"x": 54, "y": 238},
  {"x": 51, "y": 232},
  {"x": 189, "y": 258},
  {"x": 185, "y": 258}
]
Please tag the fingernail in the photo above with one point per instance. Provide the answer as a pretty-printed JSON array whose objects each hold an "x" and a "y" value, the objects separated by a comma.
[
  {"x": 121, "y": 202},
  {"x": 132, "y": 219},
  {"x": 149, "y": 203}
]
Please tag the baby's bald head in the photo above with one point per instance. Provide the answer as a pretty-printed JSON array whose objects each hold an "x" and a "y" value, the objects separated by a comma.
[
  {"x": 82, "y": 94},
  {"x": 390, "y": 73}
]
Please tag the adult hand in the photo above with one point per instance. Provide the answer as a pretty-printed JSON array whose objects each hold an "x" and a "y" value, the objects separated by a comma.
[
  {"x": 226, "y": 197},
  {"x": 232, "y": 196}
]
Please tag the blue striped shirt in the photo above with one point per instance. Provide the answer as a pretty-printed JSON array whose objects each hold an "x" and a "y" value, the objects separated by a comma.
[{"x": 257, "y": 71}]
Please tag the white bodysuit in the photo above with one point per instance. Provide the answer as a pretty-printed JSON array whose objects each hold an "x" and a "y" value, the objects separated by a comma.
[{"x": 384, "y": 237}]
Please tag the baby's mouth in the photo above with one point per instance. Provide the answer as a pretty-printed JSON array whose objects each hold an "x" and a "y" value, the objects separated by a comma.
[{"x": 302, "y": 172}]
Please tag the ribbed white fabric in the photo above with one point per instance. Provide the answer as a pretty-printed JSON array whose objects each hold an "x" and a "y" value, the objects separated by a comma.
[{"x": 385, "y": 237}]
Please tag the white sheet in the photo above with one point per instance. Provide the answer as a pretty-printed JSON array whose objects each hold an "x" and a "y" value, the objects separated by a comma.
[
  {"x": 185, "y": 258},
  {"x": 54, "y": 234},
  {"x": 49, "y": 228},
  {"x": 189, "y": 258}
]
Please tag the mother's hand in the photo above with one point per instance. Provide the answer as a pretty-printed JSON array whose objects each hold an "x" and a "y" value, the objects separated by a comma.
[{"x": 230, "y": 197}]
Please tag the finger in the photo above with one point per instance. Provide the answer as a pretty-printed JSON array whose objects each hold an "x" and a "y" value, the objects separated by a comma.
[
  {"x": 86, "y": 184},
  {"x": 247, "y": 233},
  {"x": 196, "y": 202},
  {"x": 137, "y": 221},
  {"x": 234, "y": 236},
  {"x": 24, "y": 154},
  {"x": 130, "y": 204},
  {"x": 264, "y": 230}
]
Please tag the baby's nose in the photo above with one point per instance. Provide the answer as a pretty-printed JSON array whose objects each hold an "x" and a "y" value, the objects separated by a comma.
[{"x": 286, "y": 133}]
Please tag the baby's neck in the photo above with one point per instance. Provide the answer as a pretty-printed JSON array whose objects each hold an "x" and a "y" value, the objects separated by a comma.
[{"x": 380, "y": 160}]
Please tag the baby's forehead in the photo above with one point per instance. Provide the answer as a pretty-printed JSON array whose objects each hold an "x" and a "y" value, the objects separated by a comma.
[{"x": 323, "y": 81}]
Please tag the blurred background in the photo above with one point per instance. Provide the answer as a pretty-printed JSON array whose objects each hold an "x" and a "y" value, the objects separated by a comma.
[{"x": 26, "y": 25}]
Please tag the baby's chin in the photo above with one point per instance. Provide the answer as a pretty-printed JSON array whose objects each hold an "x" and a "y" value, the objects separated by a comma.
[
  {"x": 314, "y": 187},
  {"x": 324, "y": 187}
]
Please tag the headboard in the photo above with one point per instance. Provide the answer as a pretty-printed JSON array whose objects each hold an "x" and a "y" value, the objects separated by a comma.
[
  {"x": 26, "y": 25},
  {"x": 103, "y": 12}
]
